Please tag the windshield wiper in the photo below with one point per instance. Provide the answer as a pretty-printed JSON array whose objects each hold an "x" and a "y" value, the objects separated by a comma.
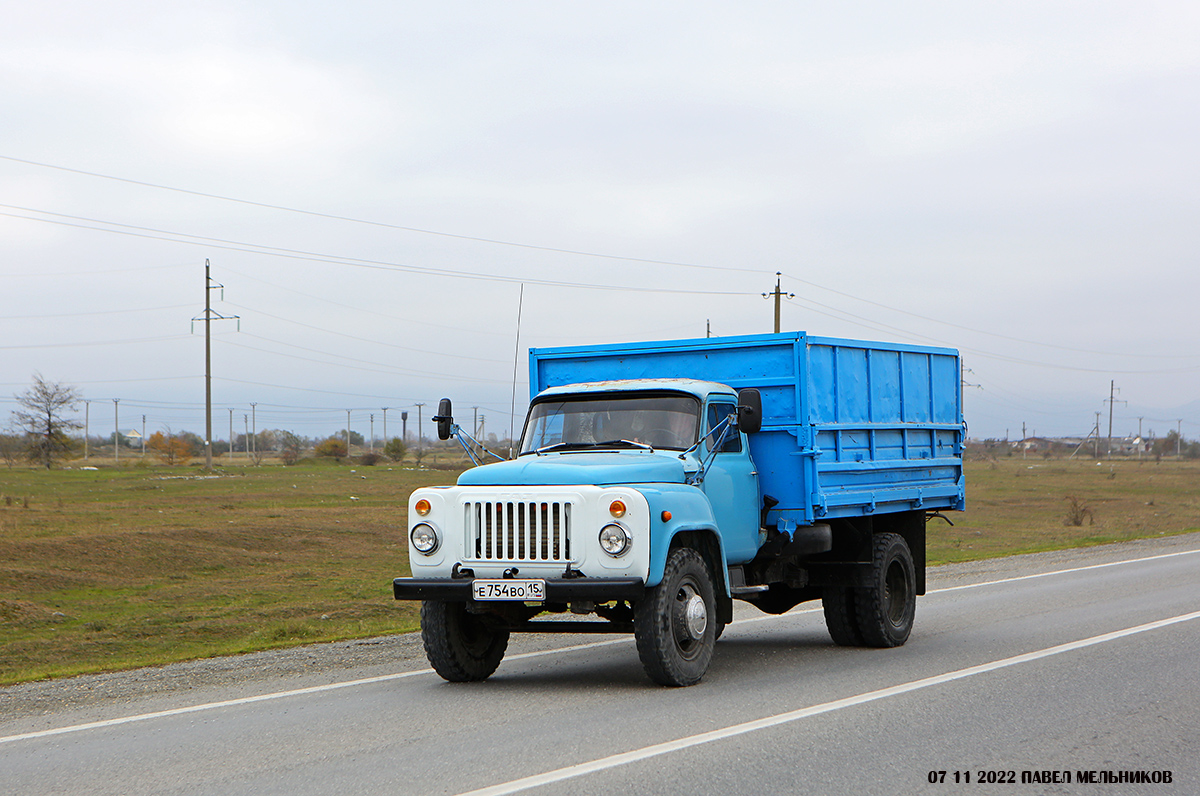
[
  {"x": 562, "y": 446},
  {"x": 629, "y": 442},
  {"x": 612, "y": 443}
]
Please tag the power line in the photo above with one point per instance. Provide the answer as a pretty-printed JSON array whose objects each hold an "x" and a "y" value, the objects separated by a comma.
[
  {"x": 106, "y": 271},
  {"x": 879, "y": 326},
  {"x": 307, "y": 389},
  {"x": 95, "y": 342},
  {"x": 354, "y": 262},
  {"x": 352, "y": 337},
  {"x": 96, "y": 312},
  {"x": 579, "y": 252},
  {"x": 383, "y": 224},
  {"x": 386, "y": 316},
  {"x": 114, "y": 381},
  {"x": 1139, "y": 355},
  {"x": 385, "y": 370}
]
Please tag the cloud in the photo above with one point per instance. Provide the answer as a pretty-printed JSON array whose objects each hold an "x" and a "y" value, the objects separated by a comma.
[{"x": 263, "y": 106}]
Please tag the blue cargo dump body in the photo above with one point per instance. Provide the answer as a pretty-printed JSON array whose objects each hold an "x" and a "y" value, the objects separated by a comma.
[{"x": 850, "y": 428}]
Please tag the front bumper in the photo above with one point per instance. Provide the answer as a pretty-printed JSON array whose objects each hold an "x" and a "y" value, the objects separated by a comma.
[{"x": 558, "y": 590}]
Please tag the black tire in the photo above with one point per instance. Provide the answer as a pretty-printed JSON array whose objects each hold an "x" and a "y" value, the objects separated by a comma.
[
  {"x": 675, "y": 650},
  {"x": 841, "y": 617},
  {"x": 461, "y": 646},
  {"x": 885, "y": 609}
]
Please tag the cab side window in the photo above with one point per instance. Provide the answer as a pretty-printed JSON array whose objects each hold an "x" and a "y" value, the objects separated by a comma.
[{"x": 717, "y": 412}]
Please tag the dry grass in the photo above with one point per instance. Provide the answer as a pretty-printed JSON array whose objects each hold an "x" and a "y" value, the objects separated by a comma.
[
  {"x": 123, "y": 567},
  {"x": 118, "y": 568},
  {"x": 1017, "y": 505}
]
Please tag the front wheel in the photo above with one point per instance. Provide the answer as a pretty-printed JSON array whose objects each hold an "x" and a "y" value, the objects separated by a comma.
[
  {"x": 675, "y": 624},
  {"x": 461, "y": 646}
]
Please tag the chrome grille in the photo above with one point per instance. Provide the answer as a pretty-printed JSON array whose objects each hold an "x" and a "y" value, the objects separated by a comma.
[{"x": 519, "y": 531}]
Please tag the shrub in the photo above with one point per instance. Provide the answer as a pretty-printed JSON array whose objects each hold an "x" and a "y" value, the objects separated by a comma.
[
  {"x": 1076, "y": 511},
  {"x": 395, "y": 449},
  {"x": 170, "y": 450},
  {"x": 332, "y": 447}
]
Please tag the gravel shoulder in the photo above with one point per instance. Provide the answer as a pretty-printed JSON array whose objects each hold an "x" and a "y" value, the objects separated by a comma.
[{"x": 93, "y": 697}]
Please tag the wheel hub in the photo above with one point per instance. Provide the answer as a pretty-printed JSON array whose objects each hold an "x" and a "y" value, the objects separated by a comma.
[{"x": 695, "y": 616}]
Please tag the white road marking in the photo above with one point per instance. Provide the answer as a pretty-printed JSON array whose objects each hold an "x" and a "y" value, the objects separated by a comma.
[
  {"x": 402, "y": 675},
  {"x": 316, "y": 689},
  {"x": 1065, "y": 571},
  {"x": 578, "y": 770}
]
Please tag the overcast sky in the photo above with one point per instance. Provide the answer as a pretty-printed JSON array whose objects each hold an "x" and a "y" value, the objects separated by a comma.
[{"x": 373, "y": 184}]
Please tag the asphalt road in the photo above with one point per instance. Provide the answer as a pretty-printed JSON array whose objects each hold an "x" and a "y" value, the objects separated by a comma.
[{"x": 1080, "y": 661}]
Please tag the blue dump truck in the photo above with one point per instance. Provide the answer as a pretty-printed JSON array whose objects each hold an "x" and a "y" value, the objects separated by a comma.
[{"x": 658, "y": 482}]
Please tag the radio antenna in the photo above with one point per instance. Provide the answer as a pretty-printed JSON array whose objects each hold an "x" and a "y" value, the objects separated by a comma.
[{"x": 512, "y": 412}]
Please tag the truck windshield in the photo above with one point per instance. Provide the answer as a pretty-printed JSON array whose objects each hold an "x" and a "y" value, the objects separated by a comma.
[{"x": 612, "y": 420}]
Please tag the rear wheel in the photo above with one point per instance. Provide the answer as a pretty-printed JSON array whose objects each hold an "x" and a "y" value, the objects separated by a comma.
[
  {"x": 840, "y": 616},
  {"x": 675, "y": 624},
  {"x": 886, "y": 608},
  {"x": 461, "y": 646}
]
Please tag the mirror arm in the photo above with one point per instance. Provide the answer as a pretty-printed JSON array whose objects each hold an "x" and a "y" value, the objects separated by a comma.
[
  {"x": 457, "y": 432},
  {"x": 725, "y": 426}
]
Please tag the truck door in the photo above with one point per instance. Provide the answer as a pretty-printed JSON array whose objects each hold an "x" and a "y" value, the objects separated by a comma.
[{"x": 732, "y": 486}]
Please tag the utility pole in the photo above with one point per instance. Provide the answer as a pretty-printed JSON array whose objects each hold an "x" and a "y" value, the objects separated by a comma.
[
  {"x": 385, "y": 438},
  {"x": 778, "y": 294},
  {"x": 246, "y": 433},
  {"x": 87, "y": 405},
  {"x": 371, "y": 443},
  {"x": 116, "y": 432},
  {"x": 143, "y": 436},
  {"x": 231, "y": 436},
  {"x": 419, "y": 431},
  {"x": 963, "y": 376},
  {"x": 253, "y": 429},
  {"x": 1024, "y": 444},
  {"x": 475, "y": 425},
  {"x": 208, "y": 317},
  {"x": 708, "y": 327},
  {"x": 347, "y": 433},
  {"x": 1179, "y": 439},
  {"x": 1112, "y": 393},
  {"x": 1140, "y": 443},
  {"x": 1096, "y": 438}
]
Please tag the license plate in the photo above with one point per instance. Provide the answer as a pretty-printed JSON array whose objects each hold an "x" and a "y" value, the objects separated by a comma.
[{"x": 509, "y": 589}]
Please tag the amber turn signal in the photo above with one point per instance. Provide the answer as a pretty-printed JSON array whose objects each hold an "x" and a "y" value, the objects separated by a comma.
[
  {"x": 422, "y": 507},
  {"x": 616, "y": 508},
  {"x": 666, "y": 516}
]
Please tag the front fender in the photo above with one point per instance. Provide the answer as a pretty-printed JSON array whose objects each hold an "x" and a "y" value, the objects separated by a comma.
[{"x": 690, "y": 511}]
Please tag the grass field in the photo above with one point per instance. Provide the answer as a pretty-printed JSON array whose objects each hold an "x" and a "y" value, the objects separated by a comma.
[{"x": 122, "y": 567}]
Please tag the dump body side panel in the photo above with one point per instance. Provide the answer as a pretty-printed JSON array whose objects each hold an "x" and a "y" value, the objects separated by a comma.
[{"x": 887, "y": 425}]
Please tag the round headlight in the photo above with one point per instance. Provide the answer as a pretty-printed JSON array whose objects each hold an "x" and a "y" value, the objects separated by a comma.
[
  {"x": 424, "y": 538},
  {"x": 614, "y": 539}
]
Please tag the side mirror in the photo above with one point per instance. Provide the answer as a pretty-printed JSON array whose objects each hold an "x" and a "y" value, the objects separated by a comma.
[
  {"x": 749, "y": 411},
  {"x": 444, "y": 418}
]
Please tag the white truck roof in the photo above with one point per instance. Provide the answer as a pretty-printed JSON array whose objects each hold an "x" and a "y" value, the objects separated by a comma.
[{"x": 700, "y": 389}]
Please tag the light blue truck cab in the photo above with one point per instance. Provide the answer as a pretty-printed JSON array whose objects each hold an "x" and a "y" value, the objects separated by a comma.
[{"x": 657, "y": 482}]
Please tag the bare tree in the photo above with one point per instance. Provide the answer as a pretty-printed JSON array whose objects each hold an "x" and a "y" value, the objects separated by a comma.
[{"x": 41, "y": 417}]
